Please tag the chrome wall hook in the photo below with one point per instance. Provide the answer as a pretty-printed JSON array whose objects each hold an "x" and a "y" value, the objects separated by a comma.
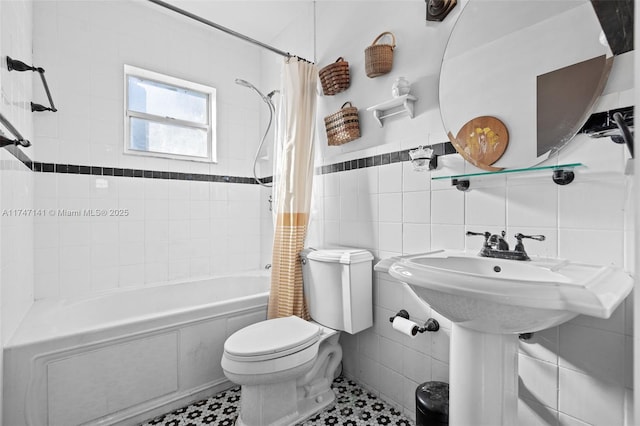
[
  {"x": 437, "y": 10},
  {"x": 563, "y": 177}
]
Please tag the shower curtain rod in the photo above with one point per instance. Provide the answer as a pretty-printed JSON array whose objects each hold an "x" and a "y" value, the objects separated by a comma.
[{"x": 226, "y": 30}]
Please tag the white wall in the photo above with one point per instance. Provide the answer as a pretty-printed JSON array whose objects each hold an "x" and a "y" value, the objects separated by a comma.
[
  {"x": 176, "y": 229},
  {"x": 16, "y": 180},
  {"x": 578, "y": 373}
]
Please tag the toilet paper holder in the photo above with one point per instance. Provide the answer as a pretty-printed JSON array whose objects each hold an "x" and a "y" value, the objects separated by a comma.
[{"x": 431, "y": 324}]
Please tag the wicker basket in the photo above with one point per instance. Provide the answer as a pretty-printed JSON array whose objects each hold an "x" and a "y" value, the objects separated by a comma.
[
  {"x": 342, "y": 126},
  {"x": 335, "y": 77},
  {"x": 379, "y": 57}
]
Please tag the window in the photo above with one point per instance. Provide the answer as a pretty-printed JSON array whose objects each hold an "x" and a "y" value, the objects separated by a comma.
[{"x": 168, "y": 117}]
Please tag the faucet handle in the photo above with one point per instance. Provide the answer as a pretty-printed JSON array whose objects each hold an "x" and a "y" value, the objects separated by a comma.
[
  {"x": 520, "y": 236},
  {"x": 482, "y": 234},
  {"x": 486, "y": 235}
]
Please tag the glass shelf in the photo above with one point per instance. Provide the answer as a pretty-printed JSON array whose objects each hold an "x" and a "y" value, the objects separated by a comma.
[{"x": 562, "y": 174}]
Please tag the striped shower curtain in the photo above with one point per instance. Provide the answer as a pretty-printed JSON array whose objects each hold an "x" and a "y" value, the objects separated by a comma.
[{"x": 293, "y": 177}]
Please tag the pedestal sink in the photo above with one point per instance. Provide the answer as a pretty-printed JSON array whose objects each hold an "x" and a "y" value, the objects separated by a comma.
[{"x": 490, "y": 301}]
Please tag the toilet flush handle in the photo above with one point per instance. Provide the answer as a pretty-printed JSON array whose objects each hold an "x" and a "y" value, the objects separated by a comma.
[{"x": 303, "y": 259}]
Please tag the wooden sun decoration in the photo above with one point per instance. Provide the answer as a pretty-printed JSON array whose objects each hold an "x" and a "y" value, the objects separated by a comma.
[{"x": 482, "y": 141}]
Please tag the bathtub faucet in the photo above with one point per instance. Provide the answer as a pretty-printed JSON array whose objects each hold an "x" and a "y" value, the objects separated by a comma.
[{"x": 267, "y": 266}]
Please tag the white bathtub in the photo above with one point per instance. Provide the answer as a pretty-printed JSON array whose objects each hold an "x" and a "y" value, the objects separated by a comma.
[{"x": 125, "y": 356}]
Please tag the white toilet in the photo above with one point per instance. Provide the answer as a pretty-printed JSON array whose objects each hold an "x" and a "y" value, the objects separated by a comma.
[{"x": 286, "y": 365}]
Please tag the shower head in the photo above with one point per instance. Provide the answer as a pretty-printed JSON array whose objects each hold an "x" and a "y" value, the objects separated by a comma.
[{"x": 245, "y": 83}]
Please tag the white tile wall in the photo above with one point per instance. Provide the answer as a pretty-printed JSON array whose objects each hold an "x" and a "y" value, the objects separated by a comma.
[
  {"x": 561, "y": 369},
  {"x": 190, "y": 233},
  {"x": 16, "y": 181},
  {"x": 590, "y": 399},
  {"x": 16, "y": 247}
]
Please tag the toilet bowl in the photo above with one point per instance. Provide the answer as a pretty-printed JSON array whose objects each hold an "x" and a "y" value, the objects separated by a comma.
[
  {"x": 285, "y": 366},
  {"x": 275, "y": 348}
]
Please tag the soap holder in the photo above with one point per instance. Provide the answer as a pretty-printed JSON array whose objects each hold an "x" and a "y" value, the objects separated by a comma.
[{"x": 423, "y": 159}]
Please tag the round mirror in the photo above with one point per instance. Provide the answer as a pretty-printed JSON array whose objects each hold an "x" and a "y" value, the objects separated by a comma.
[{"x": 535, "y": 67}]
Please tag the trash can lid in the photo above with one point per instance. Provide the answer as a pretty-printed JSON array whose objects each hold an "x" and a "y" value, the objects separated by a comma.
[{"x": 434, "y": 396}]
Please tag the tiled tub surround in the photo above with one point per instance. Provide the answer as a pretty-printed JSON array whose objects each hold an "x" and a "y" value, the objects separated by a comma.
[
  {"x": 170, "y": 230},
  {"x": 207, "y": 208},
  {"x": 126, "y": 356}
]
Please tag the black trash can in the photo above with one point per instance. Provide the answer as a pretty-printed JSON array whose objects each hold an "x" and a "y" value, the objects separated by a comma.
[{"x": 432, "y": 404}]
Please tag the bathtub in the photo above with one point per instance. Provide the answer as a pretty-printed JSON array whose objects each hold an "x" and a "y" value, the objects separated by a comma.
[{"x": 125, "y": 356}]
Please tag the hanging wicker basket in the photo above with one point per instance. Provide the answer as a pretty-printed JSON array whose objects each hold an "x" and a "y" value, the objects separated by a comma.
[
  {"x": 342, "y": 126},
  {"x": 379, "y": 57},
  {"x": 335, "y": 77}
]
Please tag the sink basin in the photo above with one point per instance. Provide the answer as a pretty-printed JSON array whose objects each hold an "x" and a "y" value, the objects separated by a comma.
[
  {"x": 489, "y": 302},
  {"x": 509, "y": 296}
]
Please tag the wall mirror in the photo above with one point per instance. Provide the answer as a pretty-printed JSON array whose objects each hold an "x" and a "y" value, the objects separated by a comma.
[{"x": 536, "y": 66}]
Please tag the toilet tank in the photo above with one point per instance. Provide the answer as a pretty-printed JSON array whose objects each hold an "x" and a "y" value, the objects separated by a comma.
[{"x": 338, "y": 287}]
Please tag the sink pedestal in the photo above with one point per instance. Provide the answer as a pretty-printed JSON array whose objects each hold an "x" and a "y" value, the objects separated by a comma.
[{"x": 484, "y": 378}]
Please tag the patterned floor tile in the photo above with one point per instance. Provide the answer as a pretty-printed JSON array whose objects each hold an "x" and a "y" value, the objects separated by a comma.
[{"x": 354, "y": 407}]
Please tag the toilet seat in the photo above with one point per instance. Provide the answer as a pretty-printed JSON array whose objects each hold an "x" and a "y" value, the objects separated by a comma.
[
  {"x": 271, "y": 346},
  {"x": 271, "y": 339}
]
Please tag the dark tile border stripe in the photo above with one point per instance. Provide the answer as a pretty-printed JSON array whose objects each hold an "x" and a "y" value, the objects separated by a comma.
[
  {"x": 135, "y": 173},
  {"x": 76, "y": 169},
  {"x": 360, "y": 163},
  {"x": 444, "y": 148}
]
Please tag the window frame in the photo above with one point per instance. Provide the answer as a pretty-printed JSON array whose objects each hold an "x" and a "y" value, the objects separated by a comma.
[{"x": 210, "y": 127}]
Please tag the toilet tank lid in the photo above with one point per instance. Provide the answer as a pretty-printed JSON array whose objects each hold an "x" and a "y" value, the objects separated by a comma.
[{"x": 342, "y": 255}]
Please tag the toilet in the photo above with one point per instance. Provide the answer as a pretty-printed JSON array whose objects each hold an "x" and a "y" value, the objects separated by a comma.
[{"x": 285, "y": 366}]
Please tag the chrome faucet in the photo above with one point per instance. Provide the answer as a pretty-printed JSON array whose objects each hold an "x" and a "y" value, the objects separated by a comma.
[
  {"x": 498, "y": 242},
  {"x": 496, "y": 246}
]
